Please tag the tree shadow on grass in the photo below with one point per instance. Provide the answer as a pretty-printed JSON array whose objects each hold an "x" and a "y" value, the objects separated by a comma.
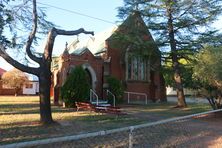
[
  {"x": 26, "y": 131},
  {"x": 6, "y": 109}
]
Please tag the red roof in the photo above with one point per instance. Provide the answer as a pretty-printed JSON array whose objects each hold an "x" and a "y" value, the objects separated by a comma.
[{"x": 2, "y": 71}]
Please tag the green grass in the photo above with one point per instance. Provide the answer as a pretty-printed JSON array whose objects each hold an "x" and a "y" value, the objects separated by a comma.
[
  {"x": 19, "y": 118},
  {"x": 168, "y": 110}
]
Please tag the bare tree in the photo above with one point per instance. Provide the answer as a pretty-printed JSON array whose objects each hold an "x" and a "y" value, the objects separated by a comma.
[{"x": 43, "y": 71}]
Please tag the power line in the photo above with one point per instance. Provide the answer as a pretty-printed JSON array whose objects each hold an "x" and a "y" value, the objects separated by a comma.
[{"x": 74, "y": 12}]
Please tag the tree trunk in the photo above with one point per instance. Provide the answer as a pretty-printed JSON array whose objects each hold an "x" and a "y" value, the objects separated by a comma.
[
  {"x": 177, "y": 76},
  {"x": 44, "y": 93}
]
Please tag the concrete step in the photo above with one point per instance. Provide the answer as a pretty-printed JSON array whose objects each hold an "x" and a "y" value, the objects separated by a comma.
[{"x": 101, "y": 103}]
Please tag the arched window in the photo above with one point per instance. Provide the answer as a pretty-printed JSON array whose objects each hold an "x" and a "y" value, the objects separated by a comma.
[{"x": 137, "y": 68}]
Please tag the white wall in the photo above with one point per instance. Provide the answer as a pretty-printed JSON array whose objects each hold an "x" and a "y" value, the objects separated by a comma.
[{"x": 31, "y": 91}]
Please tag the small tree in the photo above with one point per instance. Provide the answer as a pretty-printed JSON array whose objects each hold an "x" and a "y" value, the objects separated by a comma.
[
  {"x": 207, "y": 70},
  {"x": 14, "y": 79},
  {"x": 116, "y": 88},
  {"x": 76, "y": 87}
]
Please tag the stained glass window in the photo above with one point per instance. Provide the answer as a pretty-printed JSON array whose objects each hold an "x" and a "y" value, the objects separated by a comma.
[{"x": 138, "y": 68}]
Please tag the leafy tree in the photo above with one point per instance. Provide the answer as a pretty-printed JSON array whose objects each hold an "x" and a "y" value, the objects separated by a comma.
[
  {"x": 31, "y": 18},
  {"x": 208, "y": 71},
  {"x": 179, "y": 26},
  {"x": 76, "y": 87},
  {"x": 14, "y": 79}
]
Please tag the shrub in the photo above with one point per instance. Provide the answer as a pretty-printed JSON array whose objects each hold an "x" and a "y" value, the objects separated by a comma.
[
  {"x": 76, "y": 87},
  {"x": 116, "y": 88}
]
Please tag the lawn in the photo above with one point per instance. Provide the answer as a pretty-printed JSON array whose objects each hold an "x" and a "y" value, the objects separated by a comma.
[{"x": 19, "y": 118}]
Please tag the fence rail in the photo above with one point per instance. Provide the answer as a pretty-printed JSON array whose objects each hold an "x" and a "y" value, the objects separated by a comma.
[
  {"x": 135, "y": 93},
  {"x": 173, "y": 132}
]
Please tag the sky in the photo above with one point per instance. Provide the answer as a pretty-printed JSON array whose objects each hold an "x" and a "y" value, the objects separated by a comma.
[{"x": 71, "y": 20}]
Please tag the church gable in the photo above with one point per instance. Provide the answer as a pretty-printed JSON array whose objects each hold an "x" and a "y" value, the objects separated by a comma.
[
  {"x": 86, "y": 53},
  {"x": 133, "y": 36}
]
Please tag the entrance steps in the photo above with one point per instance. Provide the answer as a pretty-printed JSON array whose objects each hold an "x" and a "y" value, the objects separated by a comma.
[
  {"x": 94, "y": 99},
  {"x": 101, "y": 103}
]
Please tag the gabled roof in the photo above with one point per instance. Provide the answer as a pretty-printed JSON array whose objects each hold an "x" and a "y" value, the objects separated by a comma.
[
  {"x": 134, "y": 27},
  {"x": 133, "y": 24},
  {"x": 134, "y": 35},
  {"x": 2, "y": 71},
  {"x": 82, "y": 51},
  {"x": 95, "y": 44}
]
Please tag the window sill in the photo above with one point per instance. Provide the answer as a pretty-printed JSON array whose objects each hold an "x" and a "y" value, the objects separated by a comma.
[{"x": 137, "y": 81}]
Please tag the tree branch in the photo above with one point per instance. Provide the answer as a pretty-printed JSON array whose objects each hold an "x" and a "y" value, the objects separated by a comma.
[
  {"x": 32, "y": 35},
  {"x": 75, "y": 32},
  {"x": 51, "y": 38},
  {"x": 16, "y": 64}
]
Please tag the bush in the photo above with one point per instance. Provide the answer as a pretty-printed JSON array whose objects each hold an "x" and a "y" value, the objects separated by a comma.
[
  {"x": 116, "y": 88},
  {"x": 76, "y": 87}
]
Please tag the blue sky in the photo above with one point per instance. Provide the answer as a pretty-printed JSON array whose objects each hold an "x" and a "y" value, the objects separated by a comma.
[{"x": 103, "y": 9}]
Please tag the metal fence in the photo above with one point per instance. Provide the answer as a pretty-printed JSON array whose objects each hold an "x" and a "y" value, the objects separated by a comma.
[{"x": 186, "y": 131}]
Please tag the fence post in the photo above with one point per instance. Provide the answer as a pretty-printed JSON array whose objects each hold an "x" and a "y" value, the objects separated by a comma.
[{"x": 131, "y": 137}]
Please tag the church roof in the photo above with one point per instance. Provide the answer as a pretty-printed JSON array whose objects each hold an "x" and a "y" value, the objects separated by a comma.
[
  {"x": 94, "y": 43},
  {"x": 133, "y": 26}
]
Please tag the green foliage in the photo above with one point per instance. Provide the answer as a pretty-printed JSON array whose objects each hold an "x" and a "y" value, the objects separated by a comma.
[
  {"x": 116, "y": 88},
  {"x": 76, "y": 87},
  {"x": 208, "y": 67},
  {"x": 191, "y": 19},
  {"x": 208, "y": 72}
]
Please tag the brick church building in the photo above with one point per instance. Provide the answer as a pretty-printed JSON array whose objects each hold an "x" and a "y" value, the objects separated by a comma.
[{"x": 127, "y": 52}]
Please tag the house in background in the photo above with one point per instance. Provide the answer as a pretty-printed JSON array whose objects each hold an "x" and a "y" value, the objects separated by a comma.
[
  {"x": 32, "y": 86},
  {"x": 6, "y": 90},
  {"x": 114, "y": 53}
]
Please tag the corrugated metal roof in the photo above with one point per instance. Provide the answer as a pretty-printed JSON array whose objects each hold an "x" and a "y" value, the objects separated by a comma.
[{"x": 95, "y": 43}]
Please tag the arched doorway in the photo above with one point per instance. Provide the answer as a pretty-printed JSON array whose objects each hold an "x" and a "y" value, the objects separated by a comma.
[
  {"x": 92, "y": 75},
  {"x": 89, "y": 78}
]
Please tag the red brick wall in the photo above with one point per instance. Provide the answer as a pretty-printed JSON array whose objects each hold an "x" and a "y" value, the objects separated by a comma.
[
  {"x": 4, "y": 91},
  {"x": 9, "y": 92},
  {"x": 154, "y": 89},
  {"x": 116, "y": 66},
  {"x": 86, "y": 58}
]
